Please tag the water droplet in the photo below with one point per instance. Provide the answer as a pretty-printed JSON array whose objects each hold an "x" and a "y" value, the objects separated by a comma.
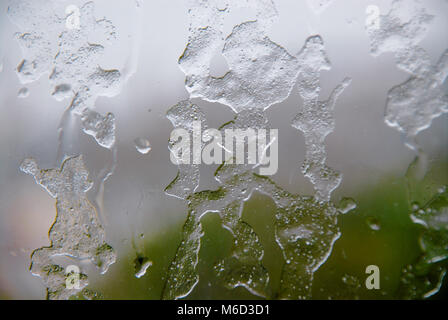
[
  {"x": 249, "y": 48},
  {"x": 346, "y": 205},
  {"x": 373, "y": 223},
  {"x": 413, "y": 104},
  {"x": 415, "y": 206},
  {"x": 142, "y": 145},
  {"x": 141, "y": 265}
]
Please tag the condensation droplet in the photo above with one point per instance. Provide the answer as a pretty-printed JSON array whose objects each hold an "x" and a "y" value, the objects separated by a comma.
[
  {"x": 415, "y": 206},
  {"x": 141, "y": 266},
  {"x": 373, "y": 223},
  {"x": 346, "y": 205},
  {"x": 23, "y": 93},
  {"x": 142, "y": 145}
]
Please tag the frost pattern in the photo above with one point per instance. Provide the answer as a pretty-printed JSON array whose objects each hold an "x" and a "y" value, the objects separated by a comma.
[
  {"x": 66, "y": 55},
  {"x": 261, "y": 74},
  {"x": 412, "y": 105},
  {"x": 316, "y": 119},
  {"x": 101, "y": 128},
  {"x": 53, "y": 44},
  {"x": 142, "y": 145},
  {"x": 76, "y": 232},
  {"x": 305, "y": 230},
  {"x": 424, "y": 278}
]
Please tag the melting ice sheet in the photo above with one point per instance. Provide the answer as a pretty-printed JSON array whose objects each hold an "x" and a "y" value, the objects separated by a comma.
[
  {"x": 68, "y": 43},
  {"x": 76, "y": 231}
]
